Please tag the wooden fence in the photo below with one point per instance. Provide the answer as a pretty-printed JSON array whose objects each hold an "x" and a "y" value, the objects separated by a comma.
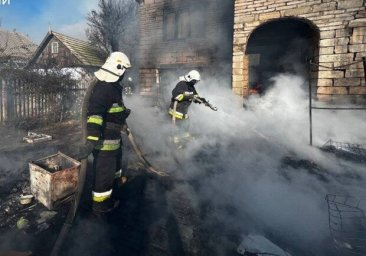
[{"x": 21, "y": 101}]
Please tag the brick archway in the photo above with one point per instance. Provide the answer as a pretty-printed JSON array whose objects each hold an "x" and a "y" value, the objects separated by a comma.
[
  {"x": 279, "y": 46},
  {"x": 341, "y": 25}
]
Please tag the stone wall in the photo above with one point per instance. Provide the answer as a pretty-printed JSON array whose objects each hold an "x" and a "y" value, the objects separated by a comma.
[{"x": 341, "y": 25}]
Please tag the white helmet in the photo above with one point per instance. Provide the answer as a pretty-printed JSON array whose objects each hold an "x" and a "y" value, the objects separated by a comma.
[
  {"x": 192, "y": 75},
  {"x": 113, "y": 68}
]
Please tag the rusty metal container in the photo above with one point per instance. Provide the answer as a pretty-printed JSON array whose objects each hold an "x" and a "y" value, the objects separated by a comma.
[{"x": 54, "y": 178}]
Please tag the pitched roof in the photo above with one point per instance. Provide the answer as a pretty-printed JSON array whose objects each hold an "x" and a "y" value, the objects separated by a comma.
[
  {"x": 15, "y": 45},
  {"x": 85, "y": 52}
]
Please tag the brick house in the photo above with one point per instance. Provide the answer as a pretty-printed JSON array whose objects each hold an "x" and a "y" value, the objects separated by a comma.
[
  {"x": 179, "y": 35},
  {"x": 268, "y": 37}
]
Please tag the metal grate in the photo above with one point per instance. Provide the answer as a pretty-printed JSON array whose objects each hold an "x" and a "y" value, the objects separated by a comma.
[
  {"x": 350, "y": 150},
  {"x": 347, "y": 224}
]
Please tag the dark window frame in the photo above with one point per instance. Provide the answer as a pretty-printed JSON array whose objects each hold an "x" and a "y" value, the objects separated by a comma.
[
  {"x": 166, "y": 36},
  {"x": 178, "y": 12},
  {"x": 182, "y": 16}
]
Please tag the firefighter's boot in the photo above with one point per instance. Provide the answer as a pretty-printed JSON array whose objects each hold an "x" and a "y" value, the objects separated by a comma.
[
  {"x": 177, "y": 141},
  {"x": 103, "y": 202},
  {"x": 105, "y": 206},
  {"x": 187, "y": 137}
]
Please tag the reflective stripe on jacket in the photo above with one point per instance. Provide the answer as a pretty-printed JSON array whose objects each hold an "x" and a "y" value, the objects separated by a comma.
[
  {"x": 177, "y": 114},
  {"x": 105, "y": 106},
  {"x": 182, "y": 93},
  {"x": 109, "y": 145}
]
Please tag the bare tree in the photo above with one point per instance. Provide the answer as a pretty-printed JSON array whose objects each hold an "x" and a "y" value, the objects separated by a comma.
[{"x": 113, "y": 27}]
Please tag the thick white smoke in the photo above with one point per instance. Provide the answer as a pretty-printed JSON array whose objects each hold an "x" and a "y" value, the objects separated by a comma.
[{"x": 238, "y": 155}]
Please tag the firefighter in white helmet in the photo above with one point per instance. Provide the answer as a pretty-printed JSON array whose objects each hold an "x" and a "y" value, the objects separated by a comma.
[
  {"x": 183, "y": 95},
  {"x": 105, "y": 118}
]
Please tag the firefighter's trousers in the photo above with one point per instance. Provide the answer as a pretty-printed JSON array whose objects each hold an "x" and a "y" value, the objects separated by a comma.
[
  {"x": 181, "y": 133},
  {"x": 107, "y": 168}
]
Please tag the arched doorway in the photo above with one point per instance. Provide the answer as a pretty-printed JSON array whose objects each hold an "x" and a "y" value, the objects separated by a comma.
[{"x": 280, "y": 46}]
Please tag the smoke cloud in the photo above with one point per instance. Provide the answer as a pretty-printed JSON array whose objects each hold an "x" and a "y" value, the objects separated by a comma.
[{"x": 238, "y": 159}]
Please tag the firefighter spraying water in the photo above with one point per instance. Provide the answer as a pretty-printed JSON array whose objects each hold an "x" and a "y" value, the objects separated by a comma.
[{"x": 183, "y": 95}]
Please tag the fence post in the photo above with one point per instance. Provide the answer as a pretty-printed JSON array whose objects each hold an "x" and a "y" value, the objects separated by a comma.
[
  {"x": 9, "y": 101},
  {"x": 364, "y": 67},
  {"x": 1, "y": 101}
]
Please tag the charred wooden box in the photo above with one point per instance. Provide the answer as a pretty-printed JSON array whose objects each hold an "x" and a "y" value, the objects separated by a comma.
[{"x": 54, "y": 179}]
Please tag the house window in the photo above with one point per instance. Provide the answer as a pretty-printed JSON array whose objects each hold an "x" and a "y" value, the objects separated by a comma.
[
  {"x": 198, "y": 23},
  {"x": 169, "y": 26},
  {"x": 184, "y": 23},
  {"x": 54, "y": 47}
]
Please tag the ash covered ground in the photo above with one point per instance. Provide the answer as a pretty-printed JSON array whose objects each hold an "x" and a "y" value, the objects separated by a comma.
[{"x": 247, "y": 171}]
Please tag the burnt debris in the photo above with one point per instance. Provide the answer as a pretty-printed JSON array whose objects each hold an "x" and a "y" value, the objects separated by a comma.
[{"x": 349, "y": 151}]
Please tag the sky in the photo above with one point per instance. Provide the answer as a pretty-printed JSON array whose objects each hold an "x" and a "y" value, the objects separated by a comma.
[{"x": 32, "y": 17}]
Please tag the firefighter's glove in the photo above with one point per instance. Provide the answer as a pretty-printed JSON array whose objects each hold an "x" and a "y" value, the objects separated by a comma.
[
  {"x": 85, "y": 150},
  {"x": 126, "y": 113}
]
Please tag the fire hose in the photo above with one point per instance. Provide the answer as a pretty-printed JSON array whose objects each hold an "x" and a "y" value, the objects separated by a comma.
[
  {"x": 205, "y": 102},
  {"x": 149, "y": 167},
  {"x": 197, "y": 100}
]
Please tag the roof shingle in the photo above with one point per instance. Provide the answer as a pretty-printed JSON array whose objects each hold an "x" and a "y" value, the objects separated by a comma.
[
  {"x": 15, "y": 45},
  {"x": 85, "y": 52}
]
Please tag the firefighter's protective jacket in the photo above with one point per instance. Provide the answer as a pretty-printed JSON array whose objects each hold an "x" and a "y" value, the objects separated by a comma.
[
  {"x": 182, "y": 93},
  {"x": 106, "y": 115}
]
